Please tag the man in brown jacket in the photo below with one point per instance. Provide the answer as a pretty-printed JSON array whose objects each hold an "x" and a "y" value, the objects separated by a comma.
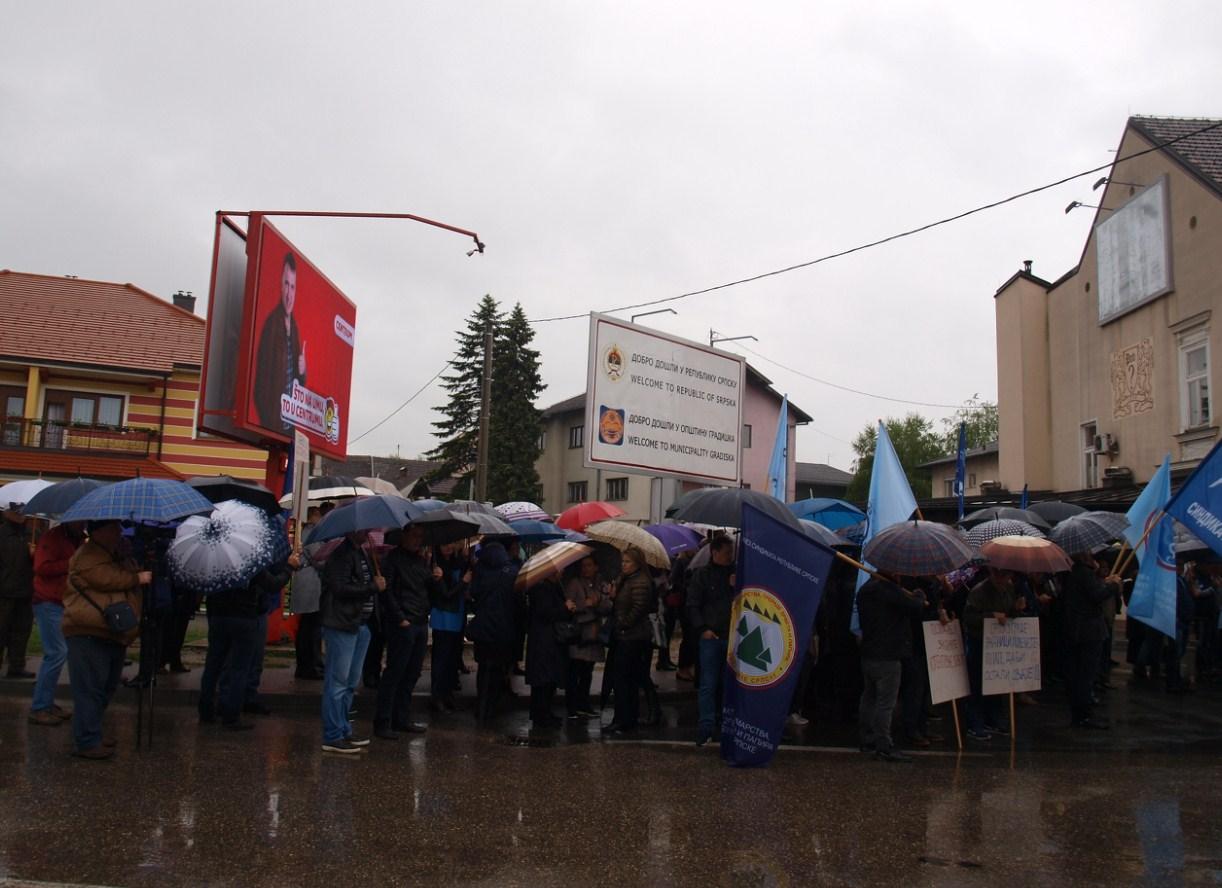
[{"x": 98, "y": 577}]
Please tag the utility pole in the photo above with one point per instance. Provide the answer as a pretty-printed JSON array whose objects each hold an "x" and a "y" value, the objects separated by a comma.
[{"x": 485, "y": 411}]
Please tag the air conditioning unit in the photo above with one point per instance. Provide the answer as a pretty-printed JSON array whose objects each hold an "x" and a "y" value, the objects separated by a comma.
[
  {"x": 990, "y": 486},
  {"x": 1106, "y": 444},
  {"x": 1117, "y": 476}
]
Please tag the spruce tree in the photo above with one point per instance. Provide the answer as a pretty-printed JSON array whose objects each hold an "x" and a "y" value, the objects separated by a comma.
[
  {"x": 459, "y": 430},
  {"x": 513, "y": 447}
]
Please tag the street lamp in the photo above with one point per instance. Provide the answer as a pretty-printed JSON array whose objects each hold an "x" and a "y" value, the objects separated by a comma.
[
  {"x": 715, "y": 338},
  {"x": 1106, "y": 181},
  {"x": 646, "y": 314}
]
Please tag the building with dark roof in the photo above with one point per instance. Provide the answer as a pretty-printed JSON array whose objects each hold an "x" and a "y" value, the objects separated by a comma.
[
  {"x": 819, "y": 480},
  {"x": 981, "y": 472},
  {"x": 1103, "y": 371},
  {"x": 100, "y": 380}
]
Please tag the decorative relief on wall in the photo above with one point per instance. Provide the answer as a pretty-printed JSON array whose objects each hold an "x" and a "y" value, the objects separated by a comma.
[{"x": 1133, "y": 379}]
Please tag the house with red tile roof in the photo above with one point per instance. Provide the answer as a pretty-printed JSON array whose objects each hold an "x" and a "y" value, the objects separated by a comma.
[{"x": 101, "y": 380}]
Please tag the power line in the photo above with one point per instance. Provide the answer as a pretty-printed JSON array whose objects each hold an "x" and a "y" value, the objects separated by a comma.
[
  {"x": 845, "y": 388},
  {"x": 392, "y": 414},
  {"x": 893, "y": 237}
]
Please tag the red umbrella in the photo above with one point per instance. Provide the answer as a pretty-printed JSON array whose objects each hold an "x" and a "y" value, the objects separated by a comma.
[{"x": 582, "y": 515}]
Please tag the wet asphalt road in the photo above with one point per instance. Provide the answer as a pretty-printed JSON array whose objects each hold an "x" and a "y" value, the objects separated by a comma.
[{"x": 510, "y": 807}]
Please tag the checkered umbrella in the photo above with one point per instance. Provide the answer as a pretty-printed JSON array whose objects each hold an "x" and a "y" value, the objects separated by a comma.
[
  {"x": 917, "y": 549},
  {"x": 1000, "y": 527},
  {"x": 549, "y": 561},
  {"x": 1025, "y": 555},
  {"x": 1090, "y": 530},
  {"x": 520, "y": 511},
  {"x": 140, "y": 500}
]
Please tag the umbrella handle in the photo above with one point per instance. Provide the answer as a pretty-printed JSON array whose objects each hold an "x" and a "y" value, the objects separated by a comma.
[{"x": 373, "y": 556}]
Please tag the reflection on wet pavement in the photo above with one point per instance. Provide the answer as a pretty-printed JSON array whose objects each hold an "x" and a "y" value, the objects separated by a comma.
[{"x": 457, "y": 806}]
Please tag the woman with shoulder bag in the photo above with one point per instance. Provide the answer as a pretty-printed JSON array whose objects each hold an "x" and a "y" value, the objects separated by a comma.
[
  {"x": 101, "y": 618},
  {"x": 634, "y": 601}
]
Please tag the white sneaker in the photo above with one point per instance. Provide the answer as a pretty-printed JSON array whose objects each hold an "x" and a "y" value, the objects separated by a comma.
[{"x": 797, "y": 720}]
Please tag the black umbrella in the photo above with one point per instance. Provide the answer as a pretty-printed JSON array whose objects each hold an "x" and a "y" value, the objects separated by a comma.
[
  {"x": 56, "y": 499},
  {"x": 219, "y": 488},
  {"x": 470, "y": 507},
  {"x": 998, "y": 512},
  {"x": 441, "y": 527},
  {"x": 1054, "y": 511},
  {"x": 489, "y": 525},
  {"x": 723, "y": 507}
]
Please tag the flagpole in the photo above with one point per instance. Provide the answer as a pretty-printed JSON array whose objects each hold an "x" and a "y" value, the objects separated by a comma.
[
  {"x": 954, "y": 708},
  {"x": 1117, "y": 572}
]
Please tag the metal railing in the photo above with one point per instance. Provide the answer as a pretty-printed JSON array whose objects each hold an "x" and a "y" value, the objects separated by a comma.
[{"x": 50, "y": 434}]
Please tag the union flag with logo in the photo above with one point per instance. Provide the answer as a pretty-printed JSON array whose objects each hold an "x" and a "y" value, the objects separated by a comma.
[{"x": 781, "y": 575}]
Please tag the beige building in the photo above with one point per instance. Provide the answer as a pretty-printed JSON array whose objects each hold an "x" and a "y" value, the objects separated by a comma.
[
  {"x": 1104, "y": 371},
  {"x": 981, "y": 473},
  {"x": 566, "y": 481}
]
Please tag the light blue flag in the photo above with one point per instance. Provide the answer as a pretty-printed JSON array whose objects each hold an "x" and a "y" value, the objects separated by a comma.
[
  {"x": 777, "y": 467},
  {"x": 891, "y": 501},
  {"x": 1153, "y": 598}
]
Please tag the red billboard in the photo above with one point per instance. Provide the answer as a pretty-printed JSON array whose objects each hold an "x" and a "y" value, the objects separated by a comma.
[{"x": 298, "y": 337}]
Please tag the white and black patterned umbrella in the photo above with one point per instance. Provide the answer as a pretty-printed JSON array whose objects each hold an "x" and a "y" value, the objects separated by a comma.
[
  {"x": 999, "y": 527},
  {"x": 223, "y": 550}
]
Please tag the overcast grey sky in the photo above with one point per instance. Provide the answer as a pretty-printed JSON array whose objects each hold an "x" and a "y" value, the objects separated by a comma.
[{"x": 607, "y": 154}]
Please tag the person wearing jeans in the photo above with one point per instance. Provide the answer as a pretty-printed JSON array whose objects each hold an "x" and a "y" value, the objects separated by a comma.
[
  {"x": 51, "y": 557},
  {"x": 349, "y": 584},
  {"x": 710, "y": 598},
  {"x": 98, "y": 577}
]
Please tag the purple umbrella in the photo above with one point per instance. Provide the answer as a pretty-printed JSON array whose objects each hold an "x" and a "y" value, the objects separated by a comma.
[{"x": 675, "y": 537}]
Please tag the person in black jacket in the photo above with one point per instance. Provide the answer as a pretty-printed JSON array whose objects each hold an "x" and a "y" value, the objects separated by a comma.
[
  {"x": 497, "y": 605},
  {"x": 349, "y": 583},
  {"x": 886, "y": 611},
  {"x": 233, "y": 645},
  {"x": 546, "y": 658},
  {"x": 1085, "y": 630},
  {"x": 710, "y": 599},
  {"x": 411, "y": 583}
]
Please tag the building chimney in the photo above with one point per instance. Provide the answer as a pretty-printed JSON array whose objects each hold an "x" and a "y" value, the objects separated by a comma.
[
  {"x": 1027, "y": 263},
  {"x": 185, "y": 300}
]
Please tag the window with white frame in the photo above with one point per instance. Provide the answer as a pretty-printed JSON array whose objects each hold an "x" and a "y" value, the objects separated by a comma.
[
  {"x": 1194, "y": 379},
  {"x": 1090, "y": 455},
  {"x": 576, "y": 436}
]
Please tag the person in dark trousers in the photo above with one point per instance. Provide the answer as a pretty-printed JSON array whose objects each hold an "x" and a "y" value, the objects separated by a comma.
[
  {"x": 914, "y": 679},
  {"x": 1085, "y": 594},
  {"x": 710, "y": 599},
  {"x": 689, "y": 644},
  {"x": 233, "y": 646},
  {"x": 304, "y": 599},
  {"x": 447, "y": 619},
  {"x": 995, "y": 597},
  {"x": 634, "y": 601},
  {"x": 349, "y": 584},
  {"x": 546, "y": 657},
  {"x": 592, "y": 602},
  {"x": 99, "y": 576},
  {"x": 16, "y": 592},
  {"x": 886, "y": 611},
  {"x": 497, "y": 605},
  {"x": 412, "y": 582}
]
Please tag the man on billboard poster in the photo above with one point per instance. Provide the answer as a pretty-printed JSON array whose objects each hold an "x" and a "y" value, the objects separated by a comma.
[{"x": 281, "y": 358}]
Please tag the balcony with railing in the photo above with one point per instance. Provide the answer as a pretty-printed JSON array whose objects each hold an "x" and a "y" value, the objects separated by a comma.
[{"x": 61, "y": 435}]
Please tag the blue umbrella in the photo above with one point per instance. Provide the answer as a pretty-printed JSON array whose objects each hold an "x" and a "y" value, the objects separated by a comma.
[
  {"x": 675, "y": 537},
  {"x": 537, "y": 531},
  {"x": 367, "y": 513},
  {"x": 139, "y": 500},
  {"x": 430, "y": 505},
  {"x": 58, "y": 498},
  {"x": 831, "y": 513}
]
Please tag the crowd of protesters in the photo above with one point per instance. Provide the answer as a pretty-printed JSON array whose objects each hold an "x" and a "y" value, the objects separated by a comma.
[{"x": 369, "y": 621}]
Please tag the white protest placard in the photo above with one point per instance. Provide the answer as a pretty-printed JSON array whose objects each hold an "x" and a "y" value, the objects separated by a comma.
[
  {"x": 660, "y": 405},
  {"x": 1011, "y": 656},
  {"x": 947, "y": 661}
]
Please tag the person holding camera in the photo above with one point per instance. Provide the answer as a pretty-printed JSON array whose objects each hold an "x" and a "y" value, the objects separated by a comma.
[{"x": 101, "y": 618}]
